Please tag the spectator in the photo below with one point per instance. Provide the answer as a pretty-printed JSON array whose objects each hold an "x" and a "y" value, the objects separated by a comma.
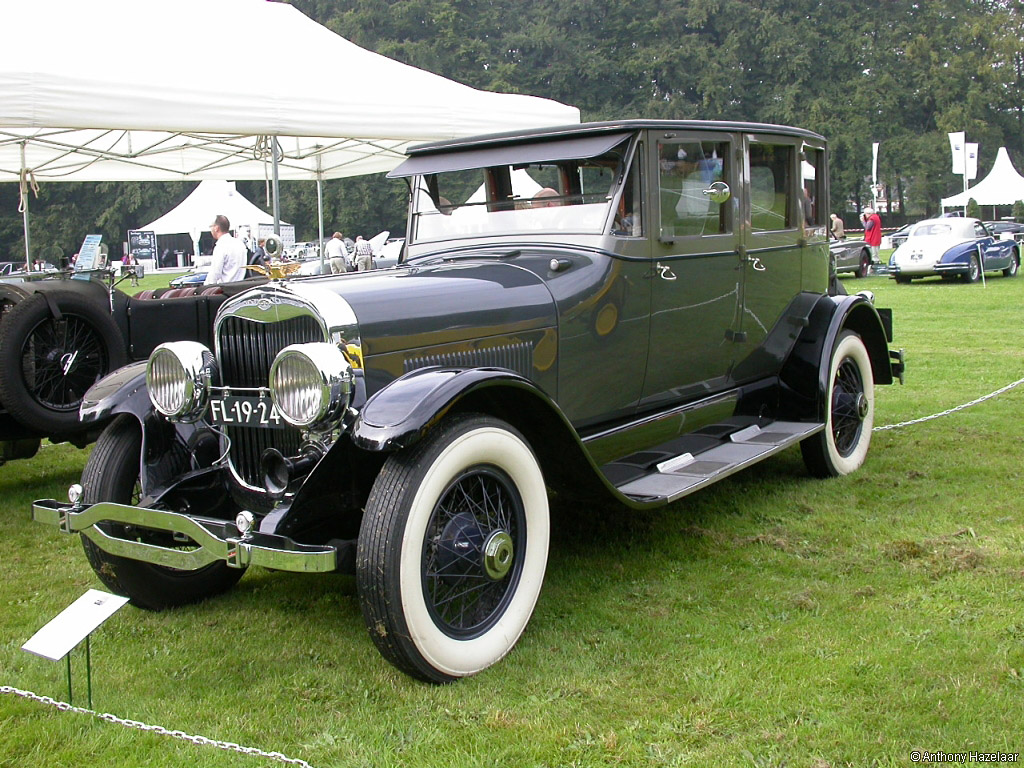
[
  {"x": 364, "y": 255},
  {"x": 872, "y": 232},
  {"x": 337, "y": 253},
  {"x": 837, "y": 228},
  {"x": 229, "y": 254}
]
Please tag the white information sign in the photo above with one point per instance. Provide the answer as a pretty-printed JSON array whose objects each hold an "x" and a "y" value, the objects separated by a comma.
[{"x": 71, "y": 626}]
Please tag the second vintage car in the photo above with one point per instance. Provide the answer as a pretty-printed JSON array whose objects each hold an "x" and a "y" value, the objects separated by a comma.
[
  {"x": 953, "y": 247},
  {"x": 624, "y": 310}
]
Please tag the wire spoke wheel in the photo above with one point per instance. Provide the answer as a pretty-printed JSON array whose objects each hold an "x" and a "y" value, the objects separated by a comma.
[
  {"x": 61, "y": 359},
  {"x": 452, "y": 548},
  {"x": 849, "y": 407},
  {"x": 472, "y": 554}
]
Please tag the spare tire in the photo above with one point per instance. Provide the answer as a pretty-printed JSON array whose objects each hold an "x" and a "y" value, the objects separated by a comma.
[{"x": 49, "y": 359}]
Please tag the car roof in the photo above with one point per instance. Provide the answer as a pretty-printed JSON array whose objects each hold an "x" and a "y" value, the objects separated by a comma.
[{"x": 613, "y": 126}]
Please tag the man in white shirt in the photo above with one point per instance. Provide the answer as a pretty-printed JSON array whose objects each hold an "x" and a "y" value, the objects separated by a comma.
[
  {"x": 229, "y": 254},
  {"x": 337, "y": 253}
]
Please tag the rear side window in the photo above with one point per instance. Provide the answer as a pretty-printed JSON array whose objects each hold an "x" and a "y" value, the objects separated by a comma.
[
  {"x": 685, "y": 170},
  {"x": 771, "y": 206},
  {"x": 812, "y": 195}
]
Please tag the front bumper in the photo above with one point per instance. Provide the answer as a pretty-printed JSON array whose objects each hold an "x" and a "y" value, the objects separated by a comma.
[{"x": 208, "y": 540}]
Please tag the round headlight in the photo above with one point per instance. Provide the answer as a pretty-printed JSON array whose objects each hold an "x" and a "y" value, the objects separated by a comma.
[
  {"x": 178, "y": 378},
  {"x": 311, "y": 384}
]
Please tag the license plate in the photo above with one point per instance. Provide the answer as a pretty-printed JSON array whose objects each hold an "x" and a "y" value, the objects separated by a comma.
[{"x": 237, "y": 411}]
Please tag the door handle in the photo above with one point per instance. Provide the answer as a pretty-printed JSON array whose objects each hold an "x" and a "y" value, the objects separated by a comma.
[{"x": 755, "y": 263}]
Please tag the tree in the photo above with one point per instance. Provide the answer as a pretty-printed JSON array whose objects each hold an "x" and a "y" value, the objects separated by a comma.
[{"x": 973, "y": 209}]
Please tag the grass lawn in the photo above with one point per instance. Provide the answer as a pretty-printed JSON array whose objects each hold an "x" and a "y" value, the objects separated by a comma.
[{"x": 771, "y": 620}]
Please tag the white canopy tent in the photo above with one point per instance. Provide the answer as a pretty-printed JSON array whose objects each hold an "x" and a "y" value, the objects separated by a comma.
[
  {"x": 172, "y": 93},
  {"x": 1002, "y": 186},
  {"x": 194, "y": 214}
]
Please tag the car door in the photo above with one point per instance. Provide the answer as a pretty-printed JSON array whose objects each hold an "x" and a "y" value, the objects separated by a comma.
[
  {"x": 781, "y": 219},
  {"x": 996, "y": 253},
  {"x": 694, "y": 269}
]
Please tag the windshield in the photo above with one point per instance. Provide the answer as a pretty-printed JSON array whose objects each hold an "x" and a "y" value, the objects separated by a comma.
[{"x": 568, "y": 196}]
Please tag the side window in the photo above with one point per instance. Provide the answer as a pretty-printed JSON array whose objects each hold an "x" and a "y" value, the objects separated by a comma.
[
  {"x": 812, "y": 195},
  {"x": 628, "y": 219},
  {"x": 685, "y": 170},
  {"x": 771, "y": 166},
  {"x": 979, "y": 230}
]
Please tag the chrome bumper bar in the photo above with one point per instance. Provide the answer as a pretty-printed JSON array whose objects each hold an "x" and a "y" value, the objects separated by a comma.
[{"x": 216, "y": 539}]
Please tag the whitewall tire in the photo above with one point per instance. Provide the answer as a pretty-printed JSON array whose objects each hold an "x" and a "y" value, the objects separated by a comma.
[
  {"x": 842, "y": 446},
  {"x": 452, "y": 549}
]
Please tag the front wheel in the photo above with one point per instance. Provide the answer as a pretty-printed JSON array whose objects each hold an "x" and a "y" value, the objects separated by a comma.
[
  {"x": 842, "y": 446},
  {"x": 452, "y": 549},
  {"x": 112, "y": 474}
]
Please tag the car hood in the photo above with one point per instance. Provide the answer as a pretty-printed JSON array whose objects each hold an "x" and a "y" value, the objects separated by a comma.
[{"x": 927, "y": 249}]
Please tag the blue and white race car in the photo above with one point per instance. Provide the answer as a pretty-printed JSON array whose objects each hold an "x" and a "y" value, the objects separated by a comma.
[{"x": 953, "y": 247}]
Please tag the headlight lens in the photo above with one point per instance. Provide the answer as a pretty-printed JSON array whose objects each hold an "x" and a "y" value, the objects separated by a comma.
[
  {"x": 311, "y": 384},
  {"x": 178, "y": 377}
]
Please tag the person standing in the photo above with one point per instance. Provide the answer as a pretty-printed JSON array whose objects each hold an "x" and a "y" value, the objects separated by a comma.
[
  {"x": 364, "y": 255},
  {"x": 229, "y": 254},
  {"x": 837, "y": 228},
  {"x": 872, "y": 232},
  {"x": 337, "y": 253}
]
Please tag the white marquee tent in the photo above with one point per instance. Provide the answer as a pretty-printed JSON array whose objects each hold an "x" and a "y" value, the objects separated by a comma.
[
  {"x": 194, "y": 214},
  {"x": 123, "y": 90},
  {"x": 1002, "y": 186}
]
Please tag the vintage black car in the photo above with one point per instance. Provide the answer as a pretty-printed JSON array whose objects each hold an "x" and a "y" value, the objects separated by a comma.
[
  {"x": 629, "y": 310},
  {"x": 61, "y": 333}
]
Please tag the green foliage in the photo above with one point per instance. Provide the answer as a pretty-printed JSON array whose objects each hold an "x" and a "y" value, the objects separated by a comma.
[
  {"x": 1018, "y": 211},
  {"x": 973, "y": 209},
  {"x": 903, "y": 73}
]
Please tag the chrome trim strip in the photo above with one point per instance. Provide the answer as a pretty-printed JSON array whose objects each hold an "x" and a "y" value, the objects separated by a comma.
[{"x": 217, "y": 539}]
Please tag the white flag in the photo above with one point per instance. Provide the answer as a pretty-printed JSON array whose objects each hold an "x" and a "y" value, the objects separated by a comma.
[
  {"x": 956, "y": 147},
  {"x": 972, "y": 161}
]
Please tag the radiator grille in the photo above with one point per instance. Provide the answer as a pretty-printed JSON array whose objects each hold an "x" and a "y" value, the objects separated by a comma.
[
  {"x": 515, "y": 357},
  {"x": 246, "y": 349}
]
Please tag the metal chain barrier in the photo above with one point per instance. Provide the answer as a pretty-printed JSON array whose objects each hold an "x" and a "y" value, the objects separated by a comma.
[
  {"x": 981, "y": 399},
  {"x": 202, "y": 740}
]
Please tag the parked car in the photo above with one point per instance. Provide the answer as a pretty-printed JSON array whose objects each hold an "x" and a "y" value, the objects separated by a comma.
[
  {"x": 187, "y": 279},
  {"x": 897, "y": 238},
  {"x": 60, "y": 334},
  {"x": 1010, "y": 229},
  {"x": 640, "y": 314},
  {"x": 953, "y": 247},
  {"x": 851, "y": 256}
]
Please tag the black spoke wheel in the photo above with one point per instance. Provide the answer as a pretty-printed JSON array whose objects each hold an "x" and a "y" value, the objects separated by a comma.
[
  {"x": 841, "y": 447},
  {"x": 112, "y": 474},
  {"x": 452, "y": 549},
  {"x": 473, "y": 552},
  {"x": 865, "y": 264},
  {"x": 48, "y": 361}
]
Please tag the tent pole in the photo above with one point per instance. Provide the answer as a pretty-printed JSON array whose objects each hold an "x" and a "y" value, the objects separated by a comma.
[
  {"x": 276, "y": 188},
  {"x": 320, "y": 205}
]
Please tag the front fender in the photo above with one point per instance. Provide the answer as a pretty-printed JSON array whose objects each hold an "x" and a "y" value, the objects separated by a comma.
[
  {"x": 398, "y": 415},
  {"x": 124, "y": 392}
]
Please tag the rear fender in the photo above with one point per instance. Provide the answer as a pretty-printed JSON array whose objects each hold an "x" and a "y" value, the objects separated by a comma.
[{"x": 806, "y": 372}]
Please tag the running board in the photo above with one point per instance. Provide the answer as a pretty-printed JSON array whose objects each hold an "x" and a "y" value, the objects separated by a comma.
[{"x": 681, "y": 475}]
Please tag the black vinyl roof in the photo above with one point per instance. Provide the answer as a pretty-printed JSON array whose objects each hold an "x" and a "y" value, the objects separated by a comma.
[{"x": 617, "y": 126}]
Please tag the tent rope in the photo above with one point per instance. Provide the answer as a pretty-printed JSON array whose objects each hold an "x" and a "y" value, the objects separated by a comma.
[{"x": 26, "y": 183}]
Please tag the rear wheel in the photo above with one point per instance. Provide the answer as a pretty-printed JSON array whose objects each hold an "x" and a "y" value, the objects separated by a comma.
[
  {"x": 973, "y": 269},
  {"x": 112, "y": 474},
  {"x": 865, "y": 264},
  {"x": 842, "y": 446},
  {"x": 453, "y": 548},
  {"x": 902, "y": 279}
]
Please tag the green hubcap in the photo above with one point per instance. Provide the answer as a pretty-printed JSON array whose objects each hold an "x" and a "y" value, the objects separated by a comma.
[{"x": 498, "y": 555}]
